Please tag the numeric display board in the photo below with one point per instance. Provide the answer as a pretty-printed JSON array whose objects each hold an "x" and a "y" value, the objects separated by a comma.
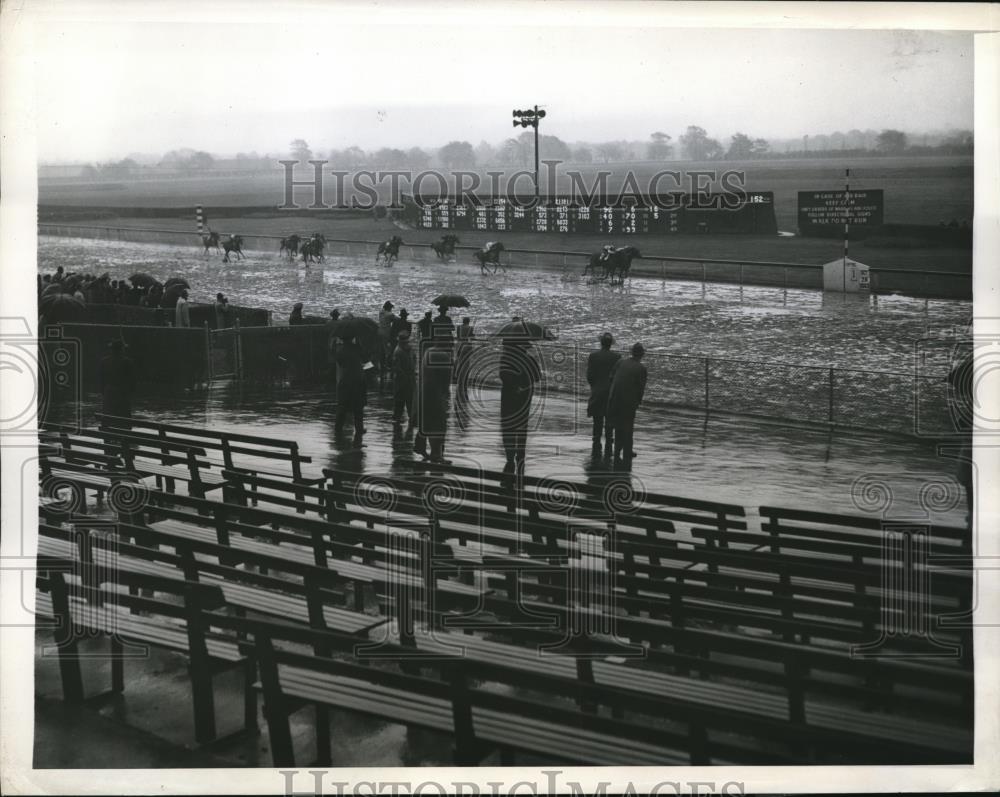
[{"x": 674, "y": 214}]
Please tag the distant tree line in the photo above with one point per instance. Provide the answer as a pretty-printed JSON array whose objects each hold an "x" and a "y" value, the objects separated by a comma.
[{"x": 693, "y": 144}]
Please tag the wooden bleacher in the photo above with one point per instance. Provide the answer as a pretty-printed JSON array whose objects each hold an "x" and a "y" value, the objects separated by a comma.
[{"x": 672, "y": 614}]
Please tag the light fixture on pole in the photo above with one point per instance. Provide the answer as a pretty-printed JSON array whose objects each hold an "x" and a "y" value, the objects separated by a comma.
[{"x": 531, "y": 118}]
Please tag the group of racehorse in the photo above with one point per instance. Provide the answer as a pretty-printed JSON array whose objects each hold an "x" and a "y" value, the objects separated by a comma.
[{"x": 611, "y": 265}]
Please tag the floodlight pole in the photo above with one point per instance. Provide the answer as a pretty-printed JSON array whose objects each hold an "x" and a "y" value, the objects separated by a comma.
[
  {"x": 531, "y": 118},
  {"x": 536, "y": 158}
]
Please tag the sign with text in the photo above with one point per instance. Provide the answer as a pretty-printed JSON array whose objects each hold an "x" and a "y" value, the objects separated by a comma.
[{"x": 819, "y": 211}]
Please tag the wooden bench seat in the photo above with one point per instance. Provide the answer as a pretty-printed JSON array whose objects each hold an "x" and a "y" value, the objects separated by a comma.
[
  {"x": 407, "y": 708},
  {"x": 99, "y": 604},
  {"x": 238, "y": 450},
  {"x": 145, "y": 455},
  {"x": 905, "y": 730},
  {"x": 267, "y": 602},
  {"x": 378, "y": 576}
]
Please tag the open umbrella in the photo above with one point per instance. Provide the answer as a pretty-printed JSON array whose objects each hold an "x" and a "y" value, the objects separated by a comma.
[
  {"x": 176, "y": 281},
  {"x": 59, "y": 307},
  {"x": 354, "y": 327},
  {"x": 171, "y": 295},
  {"x": 53, "y": 289},
  {"x": 143, "y": 280},
  {"x": 450, "y": 300},
  {"x": 525, "y": 330}
]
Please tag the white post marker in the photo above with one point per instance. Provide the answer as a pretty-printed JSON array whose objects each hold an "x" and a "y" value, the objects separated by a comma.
[{"x": 847, "y": 219}]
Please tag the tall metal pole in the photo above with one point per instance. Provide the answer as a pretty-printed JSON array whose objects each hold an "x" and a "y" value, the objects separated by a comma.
[
  {"x": 537, "y": 192},
  {"x": 847, "y": 219}
]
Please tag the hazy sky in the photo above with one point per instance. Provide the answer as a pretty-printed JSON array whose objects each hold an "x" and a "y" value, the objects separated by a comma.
[{"x": 107, "y": 89}]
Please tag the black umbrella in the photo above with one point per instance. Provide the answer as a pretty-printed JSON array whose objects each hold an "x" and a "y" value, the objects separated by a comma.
[
  {"x": 143, "y": 280},
  {"x": 171, "y": 295},
  {"x": 58, "y": 307},
  {"x": 354, "y": 327},
  {"x": 450, "y": 300},
  {"x": 176, "y": 281},
  {"x": 525, "y": 330}
]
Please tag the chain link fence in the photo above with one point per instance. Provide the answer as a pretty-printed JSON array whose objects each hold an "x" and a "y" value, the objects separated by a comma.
[{"x": 866, "y": 400}]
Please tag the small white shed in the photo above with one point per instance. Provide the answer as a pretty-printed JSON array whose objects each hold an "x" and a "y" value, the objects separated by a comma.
[{"x": 848, "y": 276}]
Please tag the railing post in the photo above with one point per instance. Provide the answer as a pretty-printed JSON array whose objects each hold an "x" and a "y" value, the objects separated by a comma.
[
  {"x": 831, "y": 396},
  {"x": 238, "y": 350},
  {"x": 208, "y": 352},
  {"x": 707, "y": 402}
]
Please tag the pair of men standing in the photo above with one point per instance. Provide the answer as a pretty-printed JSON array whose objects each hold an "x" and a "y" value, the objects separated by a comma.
[{"x": 617, "y": 387}]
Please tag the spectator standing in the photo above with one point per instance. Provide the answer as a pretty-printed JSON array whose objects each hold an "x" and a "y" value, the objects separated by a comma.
[
  {"x": 628, "y": 386},
  {"x": 600, "y": 363}
]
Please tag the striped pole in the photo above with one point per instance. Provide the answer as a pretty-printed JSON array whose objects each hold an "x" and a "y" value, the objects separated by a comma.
[
  {"x": 847, "y": 218},
  {"x": 199, "y": 217}
]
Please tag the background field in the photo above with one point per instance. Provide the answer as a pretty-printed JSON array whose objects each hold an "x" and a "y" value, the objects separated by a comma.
[{"x": 918, "y": 190}]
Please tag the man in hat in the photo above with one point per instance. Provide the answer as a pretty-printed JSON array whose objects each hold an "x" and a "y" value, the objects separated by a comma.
[
  {"x": 386, "y": 321},
  {"x": 351, "y": 393},
  {"x": 295, "y": 319},
  {"x": 628, "y": 385},
  {"x": 404, "y": 374},
  {"x": 117, "y": 379},
  {"x": 463, "y": 353},
  {"x": 600, "y": 363},
  {"x": 434, "y": 396},
  {"x": 424, "y": 326},
  {"x": 519, "y": 373},
  {"x": 402, "y": 324}
]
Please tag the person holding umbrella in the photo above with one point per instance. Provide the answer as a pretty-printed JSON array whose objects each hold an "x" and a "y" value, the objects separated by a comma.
[{"x": 628, "y": 385}]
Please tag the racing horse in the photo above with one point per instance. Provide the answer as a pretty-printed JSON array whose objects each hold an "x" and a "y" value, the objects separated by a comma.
[
  {"x": 232, "y": 244},
  {"x": 445, "y": 248},
  {"x": 290, "y": 245},
  {"x": 389, "y": 250},
  {"x": 313, "y": 248},
  {"x": 490, "y": 254},
  {"x": 619, "y": 264},
  {"x": 210, "y": 240}
]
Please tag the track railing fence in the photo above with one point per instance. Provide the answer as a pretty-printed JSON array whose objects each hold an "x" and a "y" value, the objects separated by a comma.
[
  {"x": 756, "y": 272},
  {"x": 876, "y": 401}
]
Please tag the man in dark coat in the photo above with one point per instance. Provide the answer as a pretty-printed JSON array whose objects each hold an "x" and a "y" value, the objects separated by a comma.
[
  {"x": 424, "y": 326},
  {"x": 117, "y": 381},
  {"x": 463, "y": 355},
  {"x": 351, "y": 394},
  {"x": 519, "y": 373},
  {"x": 628, "y": 384},
  {"x": 599, "y": 366},
  {"x": 404, "y": 378},
  {"x": 434, "y": 394}
]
